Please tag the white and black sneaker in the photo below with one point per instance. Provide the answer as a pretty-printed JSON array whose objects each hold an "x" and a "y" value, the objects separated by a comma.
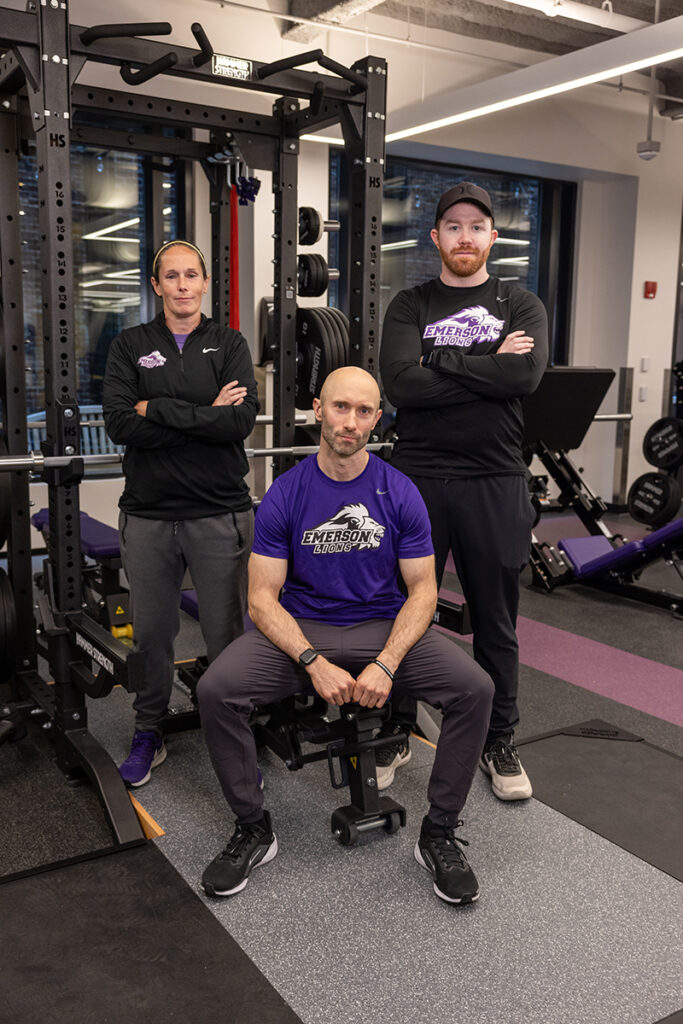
[
  {"x": 391, "y": 757},
  {"x": 439, "y": 850},
  {"x": 249, "y": 847},
  {"x": 501, "y": 761}
]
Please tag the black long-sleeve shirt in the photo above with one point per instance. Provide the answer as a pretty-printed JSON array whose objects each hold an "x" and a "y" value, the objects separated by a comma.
[
  {"x": 461, "y": 414},
  {"x": 185, "y": 458}
]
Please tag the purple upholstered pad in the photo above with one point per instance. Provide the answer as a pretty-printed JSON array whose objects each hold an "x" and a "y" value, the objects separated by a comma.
[
  {"x": 189, "y": 603},
  {"x": 591, "y": 555},
  {"x": 665, "y": 534},
  {"x": 97, "y": 539}
]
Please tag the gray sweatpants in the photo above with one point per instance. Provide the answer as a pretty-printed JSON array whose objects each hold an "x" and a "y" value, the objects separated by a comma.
[
  {"x": 155, "y": 554},
  {"x": 253, "y": 671}
]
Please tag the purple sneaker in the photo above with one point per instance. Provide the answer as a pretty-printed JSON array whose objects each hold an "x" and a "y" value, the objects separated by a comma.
[{"x": 146, "y": 752}]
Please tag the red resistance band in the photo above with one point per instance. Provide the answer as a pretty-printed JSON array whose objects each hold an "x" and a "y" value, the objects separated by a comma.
[{"x": 234, "y": 319}]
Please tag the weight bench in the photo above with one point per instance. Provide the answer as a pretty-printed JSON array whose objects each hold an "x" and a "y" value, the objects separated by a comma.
[
  {"x": 107, "y": 602},
  {"x": 283, "y": 728},
  {"x": 595, "y": 561}
]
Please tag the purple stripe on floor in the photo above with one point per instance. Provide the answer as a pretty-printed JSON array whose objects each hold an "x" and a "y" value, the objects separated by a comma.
[{"x": 637, "y": 682}]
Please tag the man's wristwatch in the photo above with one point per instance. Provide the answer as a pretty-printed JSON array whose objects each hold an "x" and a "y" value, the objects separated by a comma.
[{"x": 308, "y": 656}]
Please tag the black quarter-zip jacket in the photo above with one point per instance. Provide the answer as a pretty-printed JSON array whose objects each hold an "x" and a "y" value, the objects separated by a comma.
[
  {"x": 185, "y": 458},
  {"x": 460, "y": 415}
]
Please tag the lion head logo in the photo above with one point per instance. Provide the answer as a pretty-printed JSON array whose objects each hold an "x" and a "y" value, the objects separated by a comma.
[{"x": 351, "y": 529}]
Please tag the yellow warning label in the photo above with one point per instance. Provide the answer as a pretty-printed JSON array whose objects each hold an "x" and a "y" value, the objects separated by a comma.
[
  {"x": 354, "y": 762},
  {"x": 119, "y": 611}
]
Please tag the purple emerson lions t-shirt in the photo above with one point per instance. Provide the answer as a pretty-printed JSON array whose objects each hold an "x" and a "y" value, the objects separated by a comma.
[{"x": 342, "y": 539}]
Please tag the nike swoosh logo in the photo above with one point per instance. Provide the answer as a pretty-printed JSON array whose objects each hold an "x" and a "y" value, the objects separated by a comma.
[
  {"x": 498, "y": 298},
  {"x": 381, "y": 492},
  {"x": 209, "y": 350}
]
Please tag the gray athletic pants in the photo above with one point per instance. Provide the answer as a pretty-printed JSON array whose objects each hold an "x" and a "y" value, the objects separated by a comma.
[
  {"x": 253, "y": 671},
  {"x": 155, "y": 554}
]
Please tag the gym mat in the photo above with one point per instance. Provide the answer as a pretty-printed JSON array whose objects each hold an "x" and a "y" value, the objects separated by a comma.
[
  {"x": 43, "y": 818},
  {"x": 124, "y": 940},
  {"x": 615, "y": 784}
]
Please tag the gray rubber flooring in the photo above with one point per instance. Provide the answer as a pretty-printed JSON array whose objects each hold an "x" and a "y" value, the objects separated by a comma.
[{"x": 569, "y": 929}]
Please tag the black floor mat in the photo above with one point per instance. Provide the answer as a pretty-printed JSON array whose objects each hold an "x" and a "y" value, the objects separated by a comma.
[
  {"x": 44, "y": 818},
  {"x": 614, "y": 783},
  {"x": 124, "y": 939}
]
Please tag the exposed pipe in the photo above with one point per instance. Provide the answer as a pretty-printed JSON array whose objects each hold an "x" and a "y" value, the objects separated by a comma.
[
  {"x": 603, "y": 17},
  {"x": 329, "y": 26}
]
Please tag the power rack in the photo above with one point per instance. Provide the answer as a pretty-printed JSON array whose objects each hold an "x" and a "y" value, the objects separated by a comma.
[{"x": 43, "y": 56}]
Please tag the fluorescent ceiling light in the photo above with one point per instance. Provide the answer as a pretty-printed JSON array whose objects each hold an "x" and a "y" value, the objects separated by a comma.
[
  {"x": 327, "y": 139},
  {"x": 606, "y": 18},
  {"x": 127, "y": 275},
  {"x": 644, "y": 48},
  {"x": 512, "y": 241},
  {"x": 105, "y": 232},
  {"x": 517, "y": 260},
  {"x": 409, "y": 243}
]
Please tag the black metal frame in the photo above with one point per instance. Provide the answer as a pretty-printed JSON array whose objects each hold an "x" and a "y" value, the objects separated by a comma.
[
  {"x": 349, "y": 749},
  {"x": 44, "y": 55}
]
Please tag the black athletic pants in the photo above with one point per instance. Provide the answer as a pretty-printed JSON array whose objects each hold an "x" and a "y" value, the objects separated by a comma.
[
  {"x": 486, "y": 523},
  {"x": 252, "y": 671}
]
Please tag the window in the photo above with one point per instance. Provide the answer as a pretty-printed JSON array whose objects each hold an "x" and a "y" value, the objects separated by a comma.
[
  {"x": 110, "y": 243},
  {"x": 534, "y": 218}
]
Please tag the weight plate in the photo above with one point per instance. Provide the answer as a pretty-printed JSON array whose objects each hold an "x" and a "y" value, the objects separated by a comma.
[
  {"x": 335, "y": 336},
  {"x": 341, "y": 339},
  {"x": 5, "y": 498},
  {"x": 654, "y": 499},
  {"x": 663, "y": 443},
  {"x": 329, "y": 360},
  {"x": 8, "y": 627},
  {"x": 310, "y": 226},
  {"x": 343, "y": 322},
  {"x": 304, "y": 275},
  {"x": 323, "y": 274},
  {"x": 266, "y": 325},
  {"x": 314, "y": 354},
  {"x": 316, "y": 277}
]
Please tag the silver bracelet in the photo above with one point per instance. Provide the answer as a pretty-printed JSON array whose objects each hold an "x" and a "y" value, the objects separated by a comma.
[{"x": 376, "y": 661}]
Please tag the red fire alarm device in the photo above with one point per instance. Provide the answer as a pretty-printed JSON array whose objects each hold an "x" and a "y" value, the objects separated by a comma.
[{"x": 650, "y": 289}]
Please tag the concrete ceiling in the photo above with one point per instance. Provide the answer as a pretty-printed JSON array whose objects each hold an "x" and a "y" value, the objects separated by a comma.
[{"x": 503, "y": 22}]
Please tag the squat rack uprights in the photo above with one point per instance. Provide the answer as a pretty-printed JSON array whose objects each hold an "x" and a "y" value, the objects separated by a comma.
[{"x": 43, "y": 56}]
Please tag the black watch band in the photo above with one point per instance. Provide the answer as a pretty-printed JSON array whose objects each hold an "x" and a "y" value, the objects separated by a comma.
[{"x": 307, "y": 656}]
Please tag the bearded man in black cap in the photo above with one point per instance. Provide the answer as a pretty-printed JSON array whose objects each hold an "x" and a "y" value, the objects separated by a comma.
[{"x": 458, "y": 354}]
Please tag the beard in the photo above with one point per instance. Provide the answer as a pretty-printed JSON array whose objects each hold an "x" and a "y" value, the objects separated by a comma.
[
  {"x": 464, "y": 264},
  {"x": 343, "y": 447}
]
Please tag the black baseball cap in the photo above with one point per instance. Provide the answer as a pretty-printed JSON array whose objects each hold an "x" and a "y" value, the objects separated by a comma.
[{"x": 464, "y": 192}]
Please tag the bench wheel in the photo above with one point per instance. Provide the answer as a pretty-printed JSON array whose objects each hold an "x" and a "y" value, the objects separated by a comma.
[
  {"x": 349, "y": 835},
  {"x": 392, "y": 823}
]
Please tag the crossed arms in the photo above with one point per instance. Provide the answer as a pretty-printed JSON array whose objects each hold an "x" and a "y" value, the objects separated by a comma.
[{"x": 334, "y": 684}]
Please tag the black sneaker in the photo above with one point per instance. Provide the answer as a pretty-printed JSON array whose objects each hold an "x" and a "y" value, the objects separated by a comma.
[
  {"x": 439, "y": 850},
  {"x": 501, "y": 761},
  {"x": 249, "y": 846},
  {"x": 391, "y": 757}
]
